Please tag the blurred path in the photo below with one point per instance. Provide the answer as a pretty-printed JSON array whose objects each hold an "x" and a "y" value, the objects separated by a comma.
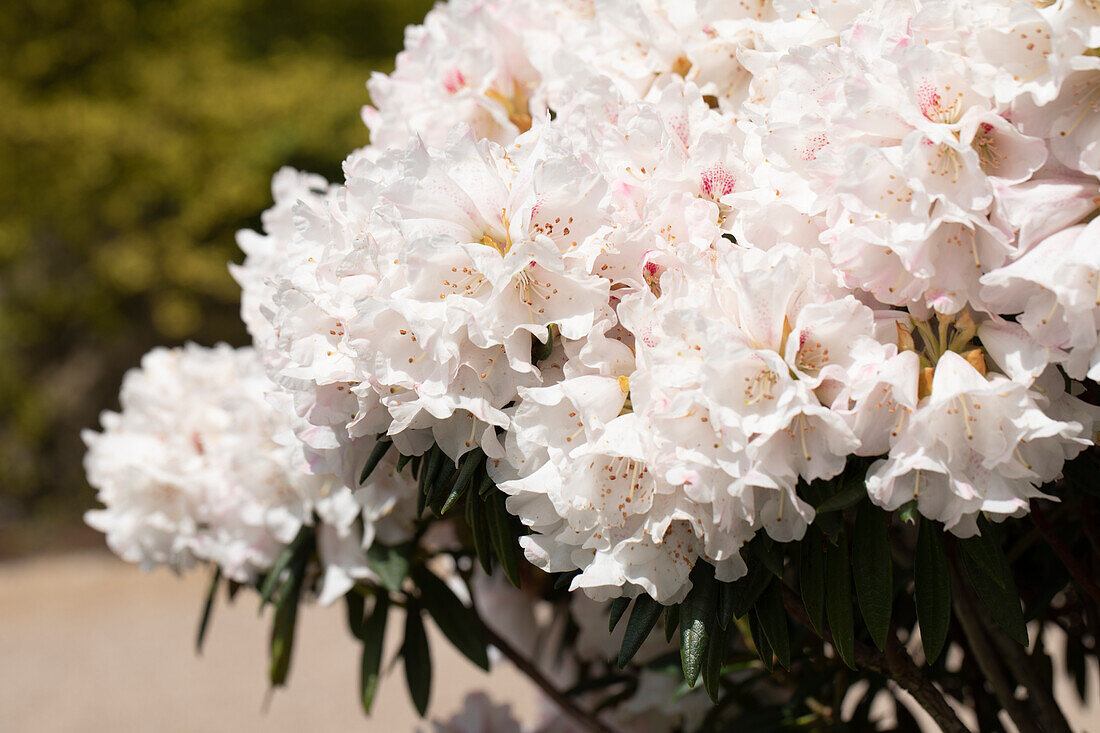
[{"x": 89, "y": 643}]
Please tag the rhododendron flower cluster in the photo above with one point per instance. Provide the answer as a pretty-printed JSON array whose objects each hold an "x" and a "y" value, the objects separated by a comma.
[
  {"x": 202, "y": 464},
  {"x": 666, "y": 265}
]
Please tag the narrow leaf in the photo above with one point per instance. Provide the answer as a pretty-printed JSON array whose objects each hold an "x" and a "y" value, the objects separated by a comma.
[
  {"x": 984, "y": 550},
  {"x": 773, "y": 621},
  {"x": 838, "y": 600},
  {"x": 672, "y": 621},
  {"x": 697, "y": 615},
  {"x": 373, "y": 634},
  {"x": 465, "y": 477},
  {"x": 618, "y": 608},
  {"x": 712, "y": 665},
  {"x": 933, "y": 589},
  {"x": 479, "y": 530},
  {"x": 811, "y": 578},
  {"x": 282, "y": 630},
  {"x": 642, "y": 620},
  {"x": 770, "y": 553},
  {"x": 1003, "y": 603},
  {"x": 873, "y": 571},
  {"x": 760, "y": 641},
  {"x": 380, "y": 449},
  {"x": 402, "y": 461},
  {"x": 564, "y": 580},
  {"x": 485, "y": 486},
  {"x": 502, "y": 536},
  {"x": 438, "y": 478},
  {"x": 726, "y": 597},
  {"x": 418, "y": 661},
  {"x": 457, "y": 622},
  {"x": 429, "y": 465},
  {"x": 207, "y": 608},
  {"x": 282, "y": 562},
  {"x": 749, "y": 588},
  {"x": 849, "y": 495},
  {"x": 390, "y": 565},
  {"x": 354, "y": 602}
]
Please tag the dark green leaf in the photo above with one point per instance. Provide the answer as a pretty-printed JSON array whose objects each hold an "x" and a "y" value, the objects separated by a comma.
[
  {"x": 760, "y": 641},
  {"x": 375, "y": 456},
  {"x": 439, "y": 481},
  {"x": 564, "y": 580},
  {"x": 418, "y": 661},
  {"x": 282, "y": 562},
  {"x": 504, "y": 540},
  {"x": 282, "y": 630},
  {"x": 698, "y": 614},
  {"x": 642, "y": 620},
  {"x": 485, "y": 485},
  {"x": 713, "y": 663},
  {"x": 421, "y": 499},
  {"x": 1003, "y": 603},
  {"x": 207, "y": 608},
  {"x": 811, "y": 578},
  {"x": 933, "y": 589},
  {"x": 390, "y": 565},
  {"x": 873, "y": 571},
  {"x": 430, "y": 465},
  {"x": 457, "y": 622},
  {"x": 373, "y": 634},
  {"x": 672, "y": 621},
  {"x": 479, "y": 530},
  {"x": 849, "y": 495},
  {"x": 470, "y": 467},
  {"x": 354, "y": 602},
  {"x": 726, "y": 598},
  {"x": 402, "y": 460},
  {"x": 749, "y": 588},
  {"x": 769, "y": 553},
  {"x": 838, "y": 600},
  {"x": 830, "y": 525},
  {"x": 618, "y": 608},
  {"x": 773, "y": 621},
  {"x": 984, "y": 551}
]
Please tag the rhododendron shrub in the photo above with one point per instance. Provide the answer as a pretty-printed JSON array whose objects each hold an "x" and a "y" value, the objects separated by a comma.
[{"x": 740, "y": 316}]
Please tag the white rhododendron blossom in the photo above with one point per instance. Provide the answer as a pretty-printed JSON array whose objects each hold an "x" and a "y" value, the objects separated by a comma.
[
  {"x": 678, "y": 270},
  {"x": 200, "y": 465}
]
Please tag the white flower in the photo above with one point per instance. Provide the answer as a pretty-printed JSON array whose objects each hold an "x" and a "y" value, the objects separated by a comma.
[
  {"x": 466, "y": 63},
  {"x": 1056, "y": 290},
  {"x": 200, "y": 465},
  {"x": 977, "y": 444},
  {"x": 189, "y": 469}
]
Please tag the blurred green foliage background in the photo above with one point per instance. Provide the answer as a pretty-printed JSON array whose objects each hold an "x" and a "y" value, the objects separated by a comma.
[{"x": 136, "y": 137}]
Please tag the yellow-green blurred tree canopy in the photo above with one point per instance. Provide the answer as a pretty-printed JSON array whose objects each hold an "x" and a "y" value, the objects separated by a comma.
[{"x": 135, "y": 138}]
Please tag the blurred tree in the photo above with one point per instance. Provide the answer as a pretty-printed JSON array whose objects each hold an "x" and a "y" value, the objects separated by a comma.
[{"x": 137, "y": 136}]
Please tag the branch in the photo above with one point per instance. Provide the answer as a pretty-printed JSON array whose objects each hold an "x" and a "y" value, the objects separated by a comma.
[
  {"x": 1045, "y": 709},
  {"x": 986, "y": 657},
  {"x": 586, "y": 721},
  {"x": 1076, "y": 570},
  {"x": 896, "y": 665}
]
